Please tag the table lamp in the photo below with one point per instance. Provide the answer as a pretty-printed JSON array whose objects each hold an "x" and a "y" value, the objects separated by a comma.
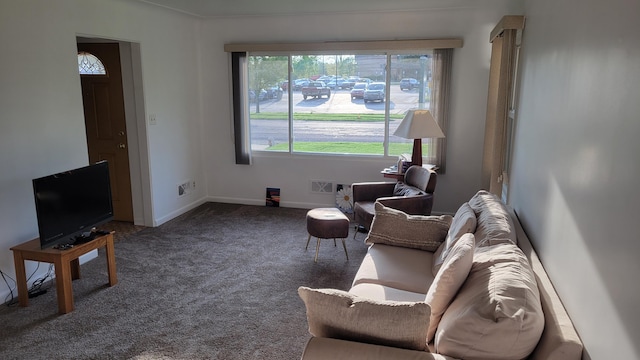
[{"x": 418, "y": 124}]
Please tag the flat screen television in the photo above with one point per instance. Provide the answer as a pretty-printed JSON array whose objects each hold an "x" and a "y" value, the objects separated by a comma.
[{"x": 71, "y": 203}]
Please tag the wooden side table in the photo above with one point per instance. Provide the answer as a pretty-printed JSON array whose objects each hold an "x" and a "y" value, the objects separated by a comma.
[
  {"x": 400, "y": 177},
  {"x": 67, "y": 267},
  {"x": 392, "y": 175}
]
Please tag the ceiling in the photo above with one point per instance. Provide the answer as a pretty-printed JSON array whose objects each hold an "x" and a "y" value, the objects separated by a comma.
[{"x": 227, "y": 8}]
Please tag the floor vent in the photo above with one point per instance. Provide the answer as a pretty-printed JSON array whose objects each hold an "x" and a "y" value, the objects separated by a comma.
[{"x": 321, "y": 187}]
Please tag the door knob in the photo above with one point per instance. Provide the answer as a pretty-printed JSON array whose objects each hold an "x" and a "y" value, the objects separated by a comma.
[
  {"x": 121, "y": 133},
  {"x": 121, "y": 146}
]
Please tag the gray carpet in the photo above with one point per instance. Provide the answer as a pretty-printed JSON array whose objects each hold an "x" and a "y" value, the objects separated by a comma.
[{"x": 219, "y": 282}]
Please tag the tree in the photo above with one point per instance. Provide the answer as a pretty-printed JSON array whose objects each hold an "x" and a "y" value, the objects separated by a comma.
[
  {"x": 347, "y": 65},
  {"x": 305, "y": 66},
  {"x": 264, "y": 72}
]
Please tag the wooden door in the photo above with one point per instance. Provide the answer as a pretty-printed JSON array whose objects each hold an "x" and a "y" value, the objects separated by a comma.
[{"x": 105, "y": 124}]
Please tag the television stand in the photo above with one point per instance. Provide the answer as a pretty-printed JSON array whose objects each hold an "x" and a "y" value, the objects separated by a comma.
[{"x": 67, "y": 266}]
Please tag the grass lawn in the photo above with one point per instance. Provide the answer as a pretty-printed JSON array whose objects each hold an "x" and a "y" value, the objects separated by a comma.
[
  {"x": 345, "y": 148},
  {"x": 365, "y": 148}
]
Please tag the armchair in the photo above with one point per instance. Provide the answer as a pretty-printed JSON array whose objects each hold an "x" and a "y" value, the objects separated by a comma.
[{"x": 413, "y": 196}]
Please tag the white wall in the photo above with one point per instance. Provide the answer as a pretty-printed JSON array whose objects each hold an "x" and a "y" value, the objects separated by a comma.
[
  {"x": 242, "y": 183},
  {"x": 41, "y": 115},
  {"x": 576, "y": 165}
]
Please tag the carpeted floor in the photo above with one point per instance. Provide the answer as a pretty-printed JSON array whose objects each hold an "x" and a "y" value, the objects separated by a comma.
[
  {"x": 123, "y": 229},
  {"x": 219, "y": 282}
]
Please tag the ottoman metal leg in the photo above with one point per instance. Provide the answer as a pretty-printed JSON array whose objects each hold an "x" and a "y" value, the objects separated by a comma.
[
  {"x": 345, "y": 249},
  {"x": 308, "y": 239},
  {"x": 317, "y": 248}
]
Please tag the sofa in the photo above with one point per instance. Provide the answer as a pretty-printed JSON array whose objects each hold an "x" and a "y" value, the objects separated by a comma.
[{"x": 440, "y": 287}]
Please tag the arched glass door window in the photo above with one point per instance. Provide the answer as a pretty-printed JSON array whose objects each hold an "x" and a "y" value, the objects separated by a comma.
[{"x": 89, "y": 64}]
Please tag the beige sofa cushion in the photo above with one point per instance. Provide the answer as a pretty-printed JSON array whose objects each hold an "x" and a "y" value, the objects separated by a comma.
[
  {"x": 397, "y": 267},
  {"x": 337, "y": 314},
  {"x": 449, "y": 279},
  {"x": 464, "y": 221},
  {"x": 494, "y": 222},
  {"x": 395, "y": 227},
  {"x": 386, "y": 293},
  {"x": 497, "y": 313}
]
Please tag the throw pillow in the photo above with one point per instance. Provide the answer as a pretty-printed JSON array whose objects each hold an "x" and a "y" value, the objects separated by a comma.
[
  {"x": 494, "y": 222},
  {"x": 402, "y": 189},
  {"x": 337, "y": 314},
  {"x": 464, "y": 221},
  {"x": 394, "y": 227},
  {"x": 497, "y": 312},
  {"x": 449, "y": 279}
]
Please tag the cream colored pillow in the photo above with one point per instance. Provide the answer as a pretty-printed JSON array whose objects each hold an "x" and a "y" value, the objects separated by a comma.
[
  {"x": 497, "y": 312},
  {"x": 449, "y": 279},
  {"x": 494, "y": 222},
  {"x": 337, "y": 314},
  {"x": 395, "y": 227},
  {"x": 464, "y": 221}
]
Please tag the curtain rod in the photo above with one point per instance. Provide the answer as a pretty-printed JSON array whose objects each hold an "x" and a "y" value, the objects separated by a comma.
[{"x": 346, "y": 46}]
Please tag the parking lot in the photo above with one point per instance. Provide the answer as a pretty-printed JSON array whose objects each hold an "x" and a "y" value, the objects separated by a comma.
[{"x": 340, "y": 102}]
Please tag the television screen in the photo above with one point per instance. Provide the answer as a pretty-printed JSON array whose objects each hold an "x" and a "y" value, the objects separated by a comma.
[{"x": 71, "y": 203}]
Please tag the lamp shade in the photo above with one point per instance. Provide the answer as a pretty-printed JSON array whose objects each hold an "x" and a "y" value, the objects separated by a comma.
[{"x": 418, "y": 124}]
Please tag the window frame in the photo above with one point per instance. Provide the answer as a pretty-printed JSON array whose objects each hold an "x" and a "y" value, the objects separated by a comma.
[
  {"x": 505, "y": 39},
  {"x": 386, "y": 48}
]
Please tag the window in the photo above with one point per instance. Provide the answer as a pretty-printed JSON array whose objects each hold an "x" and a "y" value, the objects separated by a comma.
[
  {"x": 89, "y": 64},
  {"x": 505, "y": 40},
  {"x": 341, "y": 103}
]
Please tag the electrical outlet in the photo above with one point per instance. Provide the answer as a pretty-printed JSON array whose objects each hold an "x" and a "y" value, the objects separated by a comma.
[{"x": 185, "y": 188}]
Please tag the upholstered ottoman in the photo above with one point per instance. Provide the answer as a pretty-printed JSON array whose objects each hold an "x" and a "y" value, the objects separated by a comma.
[{"x": 327, "y": 223}]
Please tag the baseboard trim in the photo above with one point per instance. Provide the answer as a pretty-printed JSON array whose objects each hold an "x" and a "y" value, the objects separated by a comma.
[
  {"x": 178, "y": 212},
  {"x": 261, "y": 202},
  {"x": 248, "y": 201}
]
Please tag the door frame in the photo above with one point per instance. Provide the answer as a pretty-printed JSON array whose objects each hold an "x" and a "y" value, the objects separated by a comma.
[{"x": 132, "y": 88}]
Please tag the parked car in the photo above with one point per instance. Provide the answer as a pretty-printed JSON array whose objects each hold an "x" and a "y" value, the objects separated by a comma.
[
  {"x": 335, "y": 84},
  {"x": 300, "y": 83},
  {"x": 348, "y": 84},
  {"x": 274, "y": 92},
  {"x": 357, "y": 92},
  {"x": 326, "y": 78},
  {"x": 261, "y": 97},
  {"x": 315, "y": 89},
  {"x": 375, "y": 92},
  {"x": 409, "y": 84}
]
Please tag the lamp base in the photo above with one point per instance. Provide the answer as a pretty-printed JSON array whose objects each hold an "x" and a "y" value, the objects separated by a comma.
[{"x": 416, "y": 155}]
